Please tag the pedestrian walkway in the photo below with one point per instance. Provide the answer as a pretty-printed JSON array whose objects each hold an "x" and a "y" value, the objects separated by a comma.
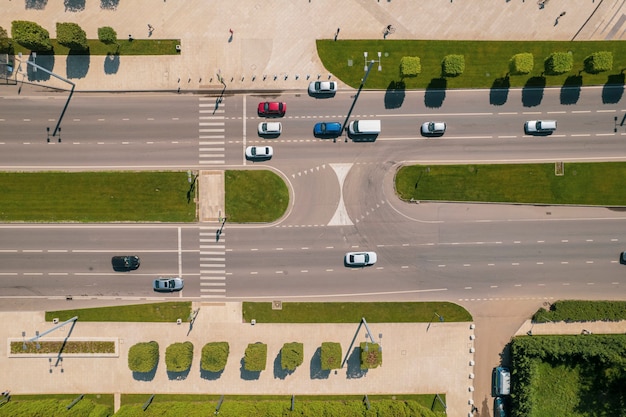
[
  {"x": 247, "y": 45},
  {"x": 417, "y": 358}
]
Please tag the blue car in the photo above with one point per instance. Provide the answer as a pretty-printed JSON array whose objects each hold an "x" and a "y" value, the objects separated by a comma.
[{"x": 332, "y": 129}]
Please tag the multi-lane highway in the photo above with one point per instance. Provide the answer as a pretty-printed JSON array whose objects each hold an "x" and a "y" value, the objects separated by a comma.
[{"x": 342, "y": 198}]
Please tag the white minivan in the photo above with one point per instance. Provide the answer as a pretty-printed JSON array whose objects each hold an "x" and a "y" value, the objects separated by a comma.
[{"x": 364, "y": 127}]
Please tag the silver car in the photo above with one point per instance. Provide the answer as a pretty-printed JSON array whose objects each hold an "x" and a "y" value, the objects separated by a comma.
[
  {"x": 168, "y": 284},
  {"x": 322, "y": 87},
  {"x": 360, "y": 258},
  {"x": 433, "y": 129},
  {"x": 270, "y": 128},
  {"x": 259, "y": 152}
]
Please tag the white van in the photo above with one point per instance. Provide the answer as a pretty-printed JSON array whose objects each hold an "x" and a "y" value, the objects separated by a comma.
[
  {"x": 501, "y": 381},
  {"x": 364, "y": 127}
]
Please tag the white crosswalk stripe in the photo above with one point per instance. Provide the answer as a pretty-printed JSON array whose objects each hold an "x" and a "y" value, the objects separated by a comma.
[
  {"x": 212, "y": 263},
  {"x": 211, "y": 131}
]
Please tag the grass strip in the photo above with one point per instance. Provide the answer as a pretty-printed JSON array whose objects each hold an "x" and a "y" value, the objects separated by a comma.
[
  {"x": 255, "y": 196},
  {"x": 123, "y": 47},
  {"x": 96, "y": 197},
  {"x": 375, "y": 312},
  {"x": 595, "y": 184},
  {"x": 155, "y": 312}
]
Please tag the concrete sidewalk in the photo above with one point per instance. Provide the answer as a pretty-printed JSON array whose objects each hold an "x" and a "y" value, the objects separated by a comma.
[
  {"x": 272, "y": 45},
  {"x": 418, "y": 358}
]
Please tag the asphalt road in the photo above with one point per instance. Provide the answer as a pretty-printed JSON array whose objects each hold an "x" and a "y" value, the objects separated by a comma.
[{"x": 343, "y": 198}]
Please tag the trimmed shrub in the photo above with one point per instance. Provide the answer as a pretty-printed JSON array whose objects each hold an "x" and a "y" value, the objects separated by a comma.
[
  {"x": 410, "y": 66},
  {"x": 30, "y": 35},
  {"x": 255, "y": 357},
  {"x": 582, "y": 311},
  {"x": 143, "y": 357},
  {"x": 107, "y": 34},
  {"x": 330, "y": 356},
  {"x": 5, "y": 41},
  {"x": 72, "y": 36},
  {"x": 291, "y": 356},
  {"x": 453, "y": 65},
  {"x": 371, "y": 355},
  {"x": 178, "y": 357},
  {"x": 214, "y": 356},
  {"x": 522, "y": 63},
  {"x": 599, "y": 62},
  {"x": 559, "y": 63}
]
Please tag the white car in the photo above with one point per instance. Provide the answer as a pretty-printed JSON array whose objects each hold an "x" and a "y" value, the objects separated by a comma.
[
  {"x": 270, "y": 128},
  {"x": 322, "y": 87},
  {"x": 259, "y": 152},
  {"x": 360, "y": 258},
  {"x": 433, "y": 128},
  {"x": 539, "y": 127},
  {"x": 168, "y": 284}
]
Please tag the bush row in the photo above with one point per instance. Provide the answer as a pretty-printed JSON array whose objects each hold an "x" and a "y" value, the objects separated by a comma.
[
  {"x": 581, "y": 311},
  {"x": 35, "y": 38}
]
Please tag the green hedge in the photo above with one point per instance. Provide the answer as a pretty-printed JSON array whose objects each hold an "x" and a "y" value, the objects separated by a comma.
[
  {"x": 410, "y": 66},
  {"x": 371, "y": 355},
  {"x": 291, "y": 355},
  {"x": 143, "y": 357},
  {"x": 559, "y": 63},
  {"x": 330, "y": 356},
  {"x": 599, "y": 62},
  {"x": 214, "y": 356},
  {"x": 178, "y": 357},
  {"x": 575, "y": 310},
  {"x": 72, "y": 36},
  {"x": 453, "y": 65},
  {"x": 255, "y": 358},
  {"x": 30, "y": 35},
  {"x": 522, "y": 63}
]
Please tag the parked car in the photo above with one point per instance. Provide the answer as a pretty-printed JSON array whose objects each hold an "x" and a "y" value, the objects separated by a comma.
[
  {"x": 259, "y": 152},
  {"x": 433, "y": 128},
  {"x": 539, "y": 127},
  {"x": 322, "y": 88},
  {"x": 272, "y": 108},
  {"x": 329, "y": 129},
  {"x": 270, "y": 128},
  {"x": 622, "y": 258},
  {"x": 499, "y": 407},
  {"x": 125, "y": 263},
  {"x": 168, "y": 284},
  {"x": 360, "y": 258}
]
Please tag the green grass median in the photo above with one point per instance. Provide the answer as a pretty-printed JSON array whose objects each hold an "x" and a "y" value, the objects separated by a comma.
[{"x": 595, "y": 184}]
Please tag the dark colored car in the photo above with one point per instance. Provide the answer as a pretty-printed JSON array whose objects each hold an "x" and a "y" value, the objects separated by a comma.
[
  {"x": 272, "y": 108},
  {"x": 125, "y": 263},
  {"x": 622, "y": 258}
]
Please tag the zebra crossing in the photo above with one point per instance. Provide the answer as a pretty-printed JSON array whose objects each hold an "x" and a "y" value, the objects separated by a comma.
[
  {"x": 212, "y": 263},
  {"x": 211, "y": 131}
]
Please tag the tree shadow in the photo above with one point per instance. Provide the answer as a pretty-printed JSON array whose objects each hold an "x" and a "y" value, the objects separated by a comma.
[
  {"x": 178, "y": 376},
  {"x": 435, "y": 93},
  {"x": 315, "y": 366},
  {"x": 499, "y": 93},
  {"x": 395, "y": 94},
  {"x": 532, "y": 93},
  {"x": 613, "y": 90},
  {"x": 36, "y": 4},
  {"x": 248, "y": 375},
  {"x": 279, "y": 372},
  {"x": 74, "y": 5},
  {"x": 111, "y": 63},
  {"x": 354, "y": 365},
  {"x": 77, "y": 64},
  {"x": 209, "y": 375},
  {"x": 146, "y": 376},
  {"x": 570, "y": 92},
  {"x": 109, "y": 4},
  {"x": 45, "y": 60}
]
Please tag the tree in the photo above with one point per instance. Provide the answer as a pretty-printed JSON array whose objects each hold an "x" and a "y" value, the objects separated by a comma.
[
  {"x": 107, "y": 34},
  {"x": 330, "y": 356},
  {"x": 559, "y": 63},
  {"x": 599, "y": 62},
  {"x": 255, "y": 357},
  {"x": 522, "y": 63},
  {"x": 214, "y": 356},
  {"x": 5, "y": 41},
  {"x": 72, "y": 36},
  {"x": 30, "y": 35},
  {"x": 291, "y": 356},
  {"x": 143, "y": 357},
  {"x": 371, "y": 355},
  {"x": 410, "y": 66},
  {"x": 178, "y": 357},
  {"x": 453, "y": 65}
]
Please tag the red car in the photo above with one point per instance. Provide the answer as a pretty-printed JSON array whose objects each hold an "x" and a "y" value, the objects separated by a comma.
[{"x": 272, "y": 108}]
